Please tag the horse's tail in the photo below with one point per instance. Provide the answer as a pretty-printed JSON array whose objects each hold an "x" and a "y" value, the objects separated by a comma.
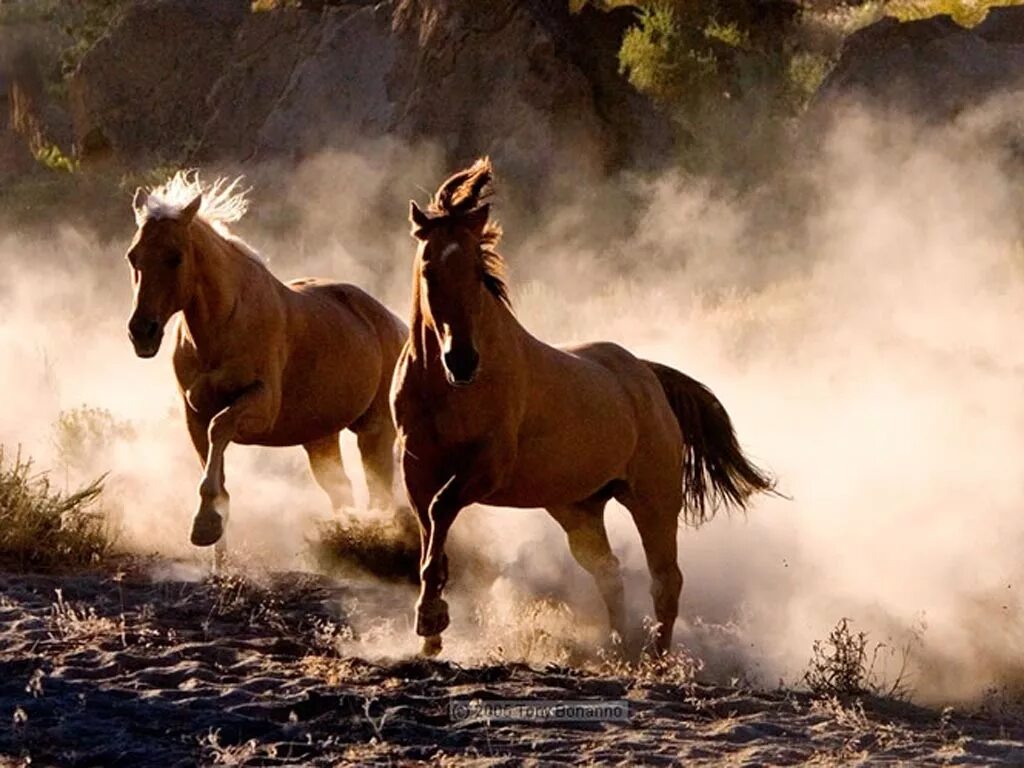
[{"x": 715, "y": 471}]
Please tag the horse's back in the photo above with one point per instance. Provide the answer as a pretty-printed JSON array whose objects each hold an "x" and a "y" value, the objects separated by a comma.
[
  {"x": 342, "y": 348},
  {"x": 578, "y": 406},
  {"x": 617, "y": 364},
  {"x": 606, "y": 405},
  {"x": 353, "y": 301}
]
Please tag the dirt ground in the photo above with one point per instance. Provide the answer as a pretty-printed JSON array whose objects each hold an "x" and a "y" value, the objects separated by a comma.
[{"x": 137, "y": 668}]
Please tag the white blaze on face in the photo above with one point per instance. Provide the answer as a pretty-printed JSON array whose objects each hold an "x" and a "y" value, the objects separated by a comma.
[
  {"x": 449, "y": 250},
  {"x": 446, "y": 338}
]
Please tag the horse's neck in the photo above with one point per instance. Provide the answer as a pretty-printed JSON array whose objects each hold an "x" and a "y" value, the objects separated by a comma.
[
  {"x": 501, "y": 334},
  {"x": 223, "y": 274}
]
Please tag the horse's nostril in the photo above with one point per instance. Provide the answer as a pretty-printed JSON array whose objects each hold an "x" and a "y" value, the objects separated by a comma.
[
  {"x": 143, "y": 328},
  {"x": 462, "y": 365}
]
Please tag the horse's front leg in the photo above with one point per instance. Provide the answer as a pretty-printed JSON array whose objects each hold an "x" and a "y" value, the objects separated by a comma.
[
  {"x": 251, "y": 413},
  {"x": 431, "y": 609},
  {"x": 480, "y": 479}
]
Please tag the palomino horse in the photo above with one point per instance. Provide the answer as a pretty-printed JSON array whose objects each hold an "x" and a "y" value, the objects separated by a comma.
[
  {"x": 259, "y": 362},
  {"x": 486, "y": 413}
]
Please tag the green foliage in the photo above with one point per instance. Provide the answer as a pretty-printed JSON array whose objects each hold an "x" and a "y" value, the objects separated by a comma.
[
  {"x": 42, "y": 527},
  {"x": 729, "y": 73},
  {"x": 53, "y": 158},
  {"x": 261, "y": 6},
  {"x": 967, "y": 13},
  {"x": 807, "y": 71},
  {"x": 84, "y": 22},
  {"x": 660, "y": 58}
]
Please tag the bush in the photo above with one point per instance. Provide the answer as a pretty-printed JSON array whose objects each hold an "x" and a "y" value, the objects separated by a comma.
[
  {"x": 44, "y": 528},
  {"x": 662, "y": 60},
  {"x": 81, "y": 434},
  {"x": 388, "y": 550},
  {"x": 843, "y": 666},
  {"x": 731, "y": 73}
]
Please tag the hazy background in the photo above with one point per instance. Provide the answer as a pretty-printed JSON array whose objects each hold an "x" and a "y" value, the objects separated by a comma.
[{"x": 858, "y": 316}]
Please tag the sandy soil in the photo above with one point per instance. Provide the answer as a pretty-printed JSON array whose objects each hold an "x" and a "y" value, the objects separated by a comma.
[{"x": 141, "y": 668}]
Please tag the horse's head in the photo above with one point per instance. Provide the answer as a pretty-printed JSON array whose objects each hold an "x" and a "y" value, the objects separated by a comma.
[
  {"x": 162, "y": 260},
  {"x": 456, "y": 268}
]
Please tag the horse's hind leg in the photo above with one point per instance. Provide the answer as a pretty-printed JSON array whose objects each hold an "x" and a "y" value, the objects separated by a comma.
[
  {"x": 376, "y": 441},
  {"x": 656, "y": 518},
  {"x": 588, "y": 541},
  {"x": 328, "y": 471}
]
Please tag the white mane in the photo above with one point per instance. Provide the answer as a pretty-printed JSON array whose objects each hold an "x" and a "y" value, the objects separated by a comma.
[{"x": 223, "y": 203}]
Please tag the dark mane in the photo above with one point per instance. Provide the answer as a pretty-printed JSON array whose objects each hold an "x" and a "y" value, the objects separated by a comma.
[{"x": 463, "y": 193}]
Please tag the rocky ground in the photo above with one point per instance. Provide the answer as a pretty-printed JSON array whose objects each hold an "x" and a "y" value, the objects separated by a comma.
[{"x": 143, "y": 667}]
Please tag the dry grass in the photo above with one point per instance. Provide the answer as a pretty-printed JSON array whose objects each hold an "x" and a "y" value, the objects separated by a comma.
[
  {"x": 69, "y": 621},
  {"x": 44, "y": 528},
  {"x": 388, "y": 549},
  {"x": 531, "y": 630},
  {"x": 677, "y": 667},
  {"x": 385, "y": 549}
]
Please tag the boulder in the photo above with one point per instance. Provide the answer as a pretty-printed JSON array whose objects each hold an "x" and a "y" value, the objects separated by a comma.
[
  {"x": 31, "y": 120},
  {"x": 523, "y": 80},
  {"x": 932, "y": 68},
  {"x": 298, "y": 82},
  {"x": 141, "y": 89}
]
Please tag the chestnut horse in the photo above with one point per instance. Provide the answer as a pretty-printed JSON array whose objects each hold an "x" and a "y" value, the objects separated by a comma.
[
  {"x": 258, "y": 361},
  {"x": 486, "y": 413}
]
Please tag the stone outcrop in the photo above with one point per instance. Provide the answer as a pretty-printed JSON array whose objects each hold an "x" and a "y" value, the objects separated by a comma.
[
  {"x": 142, "y": 89},
  {"x": 523, "y": 80},
  {"x": 933, "y": 68}
]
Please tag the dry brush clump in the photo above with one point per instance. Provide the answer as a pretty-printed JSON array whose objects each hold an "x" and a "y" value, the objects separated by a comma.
[
  {"x": 43, "y": 527},
  {"x": 388, "y": 549},
  {"x": 844, "y": 664},
  {"x": 384, "y": 549}
]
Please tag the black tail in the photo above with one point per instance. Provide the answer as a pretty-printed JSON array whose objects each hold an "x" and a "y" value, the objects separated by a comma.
[{"x": 715, "y": 471}]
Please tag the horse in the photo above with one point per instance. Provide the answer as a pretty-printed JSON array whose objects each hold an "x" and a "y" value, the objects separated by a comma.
[
  {"x": 258, "y": 361},
  {"x": 487, "y": 413}
]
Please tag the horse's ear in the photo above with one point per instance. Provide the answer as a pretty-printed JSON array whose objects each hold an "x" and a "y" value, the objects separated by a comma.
[
  {"x": 189, "y": 211},
  {"x": 139, "y": 205},
  {"x": 419, "y": 221},
  {"x": 477, "y": 219}
]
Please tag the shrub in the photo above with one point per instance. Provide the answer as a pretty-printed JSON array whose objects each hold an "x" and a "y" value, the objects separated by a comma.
[
  {"x": 663, "y": 61},
  {"x": 83, "y": 433},
  {"x": 842, "y": 665},
  {"x": 44, "y": 528},
  {"x": 384, "y": 549},
  {"x": 730, "y": 73}
]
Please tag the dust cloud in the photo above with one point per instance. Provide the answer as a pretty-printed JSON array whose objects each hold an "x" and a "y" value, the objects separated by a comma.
[{"x": 858, "y": 317}]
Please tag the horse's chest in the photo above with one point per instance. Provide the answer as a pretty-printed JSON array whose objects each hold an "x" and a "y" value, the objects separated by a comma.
[
  {"x": 441, "y": 421},
  {"x": 207, "y": 394}
]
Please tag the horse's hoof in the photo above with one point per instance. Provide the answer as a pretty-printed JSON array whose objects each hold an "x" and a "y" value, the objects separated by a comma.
[
  {"x": 432, "y": 619},
  {"x": 431, "y": 646},
  {"x": 207, "y": 528}
]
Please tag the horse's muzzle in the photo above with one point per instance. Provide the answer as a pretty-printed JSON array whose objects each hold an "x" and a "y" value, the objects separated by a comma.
[
  {"x": 145, "y": 335},
  {"x": 461, "y": 367}
]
